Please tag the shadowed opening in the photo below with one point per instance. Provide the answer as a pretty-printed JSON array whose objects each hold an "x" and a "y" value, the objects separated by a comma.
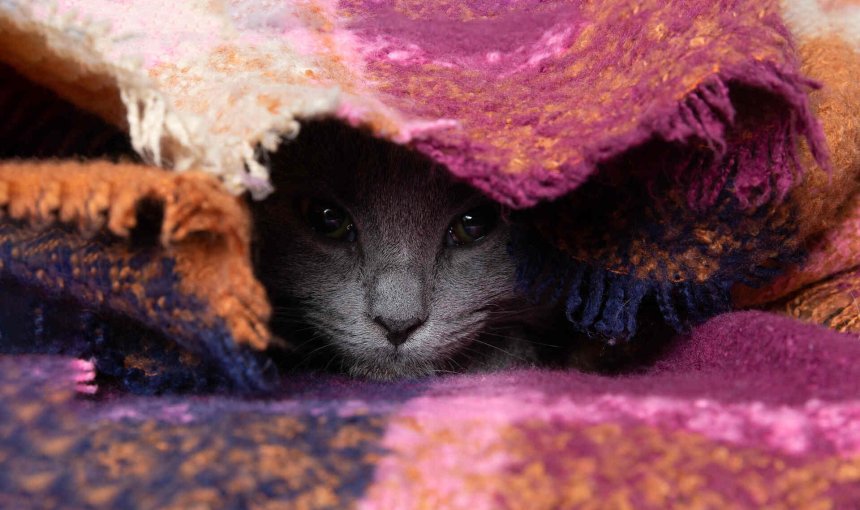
[
  {"x": 149, "y": 218},
  {"x": 35, "y": 123}
]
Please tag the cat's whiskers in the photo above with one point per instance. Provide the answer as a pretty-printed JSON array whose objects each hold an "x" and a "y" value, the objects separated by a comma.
[
  {"x": 330, "y": 361},
  {"x": 452, "y": 364},
  {"x": 508, "y": 353},
  {"x": 307, "y": 327},
  {"x": 315, "y": 337},
  {"x": 516, "y": 338},
  {"x": 309, "y": 356},
  {"x": 515, "y": 312},
  {"x": 455, "y": 340},
  {"x": 466, "y": 351}
]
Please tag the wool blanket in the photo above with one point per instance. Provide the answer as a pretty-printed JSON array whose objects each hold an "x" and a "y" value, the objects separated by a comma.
[
  {"x": 684, "y": 157},
  {"x": 720, "y": 422}
]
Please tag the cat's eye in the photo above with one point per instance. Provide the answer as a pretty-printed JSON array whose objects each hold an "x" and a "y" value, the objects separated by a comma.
[
  {"x": 472, "y": 225},
  {"x": 328, "y": 219}
]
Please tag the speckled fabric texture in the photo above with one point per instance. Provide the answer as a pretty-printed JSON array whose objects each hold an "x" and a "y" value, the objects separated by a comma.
[
  {"x": 684, "y": 158},
  {"x": 749, "y": 410},
  {"x": 735, "y": 117},
  {"x": 524, "y": 100},
  {"x": 666, "y": 169}
]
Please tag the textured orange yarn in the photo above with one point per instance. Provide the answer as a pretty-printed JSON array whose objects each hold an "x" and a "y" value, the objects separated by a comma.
[{"x": 205, "y": 229}]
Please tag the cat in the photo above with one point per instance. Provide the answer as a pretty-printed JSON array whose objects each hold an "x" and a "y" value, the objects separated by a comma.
[{"x": 381, "y": 265}]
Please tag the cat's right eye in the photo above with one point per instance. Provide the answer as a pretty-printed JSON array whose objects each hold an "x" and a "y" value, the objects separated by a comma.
[
  {"x": 472, "y": 225},
  {"x": 327, "y": 219}
]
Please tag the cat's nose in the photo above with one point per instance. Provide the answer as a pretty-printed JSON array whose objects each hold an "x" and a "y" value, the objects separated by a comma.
[{"x": 398, "y": 330}]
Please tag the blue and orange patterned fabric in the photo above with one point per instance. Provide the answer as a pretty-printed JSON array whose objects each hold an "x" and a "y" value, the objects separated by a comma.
[{"x": 720, "y": 422}]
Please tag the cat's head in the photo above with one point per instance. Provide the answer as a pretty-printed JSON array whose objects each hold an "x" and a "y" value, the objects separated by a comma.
[{"x": 377, "y": 261}]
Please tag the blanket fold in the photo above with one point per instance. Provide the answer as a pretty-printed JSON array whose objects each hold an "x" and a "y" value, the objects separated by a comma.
[{"x": 721, "y": 421}]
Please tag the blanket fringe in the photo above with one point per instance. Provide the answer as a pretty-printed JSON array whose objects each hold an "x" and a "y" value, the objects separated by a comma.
[
  {"x": 762, "y": 167},
  {"x": 607, "y": 303}
]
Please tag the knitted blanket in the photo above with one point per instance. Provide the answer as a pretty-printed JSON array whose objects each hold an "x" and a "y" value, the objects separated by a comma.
[
  {"x": 720, "y": 422},
  {"x": 682, "y": 158}
]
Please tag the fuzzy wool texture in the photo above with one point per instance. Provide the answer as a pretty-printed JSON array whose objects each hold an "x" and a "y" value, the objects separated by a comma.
[
  {"x": 205, "y": 86},
  {"x": 739, "y": 180},
  {"x": 707, "y": 160},
  {"x": 721, "y": 420},
  {"x": 215, "y": 88}
]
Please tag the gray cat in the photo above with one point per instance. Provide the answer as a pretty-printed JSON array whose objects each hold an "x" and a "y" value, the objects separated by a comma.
[{"x": 381, "y": 265}]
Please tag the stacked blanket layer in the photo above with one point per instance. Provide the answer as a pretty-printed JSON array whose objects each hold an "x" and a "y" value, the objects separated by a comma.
[
  {"x": 687, "y": 157},
  {"x": 721, "y": 422}
]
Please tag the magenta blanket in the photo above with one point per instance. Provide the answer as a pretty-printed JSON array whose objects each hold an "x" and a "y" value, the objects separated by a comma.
[{"x": 750, "y": 410}]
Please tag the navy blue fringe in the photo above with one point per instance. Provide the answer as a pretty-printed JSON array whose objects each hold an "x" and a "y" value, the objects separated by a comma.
[{"x": 605, "y": 303}]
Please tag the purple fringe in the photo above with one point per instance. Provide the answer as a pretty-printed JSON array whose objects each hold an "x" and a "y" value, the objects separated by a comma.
[
  {"x": 753, "y": 170},
  {"x": 762, "y": 168},
  {"x": 706, "y": 114}
]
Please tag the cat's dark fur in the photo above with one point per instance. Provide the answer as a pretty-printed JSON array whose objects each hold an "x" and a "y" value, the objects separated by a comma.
[{"x": 337, "y": 302}]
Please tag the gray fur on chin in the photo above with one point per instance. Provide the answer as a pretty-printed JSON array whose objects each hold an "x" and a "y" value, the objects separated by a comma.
[{"x": 339, "y": 301}]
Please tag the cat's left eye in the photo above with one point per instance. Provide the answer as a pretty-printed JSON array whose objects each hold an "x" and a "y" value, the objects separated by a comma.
[
  {"x": 328, "y": 219},
  {"x": 472, "y": 225}
]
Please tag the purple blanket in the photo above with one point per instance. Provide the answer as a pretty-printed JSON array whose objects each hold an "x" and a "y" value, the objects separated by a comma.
[{"x": 749, "y": 410}]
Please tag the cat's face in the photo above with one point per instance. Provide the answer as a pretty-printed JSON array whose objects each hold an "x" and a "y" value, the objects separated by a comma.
[{"x": 378, "y": 262}]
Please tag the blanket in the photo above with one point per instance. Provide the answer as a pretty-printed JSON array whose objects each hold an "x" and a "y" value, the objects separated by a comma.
[
  {"x": 720, "y": 422},
  {"x": 676, "y": 159}
]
